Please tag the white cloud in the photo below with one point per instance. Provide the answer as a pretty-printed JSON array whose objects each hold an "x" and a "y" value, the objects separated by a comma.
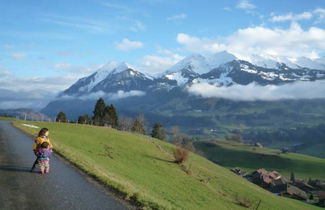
[
  {"x": 10, "y": 99},
  {"x": 31, "y": 92},
  {"x": 292, "y": 17},
  {"x": 126, "y": 45},
  {"x": 196, "y": 44},
  {"x": 317, "y": 14},
  {"x": 320, "y": 13},
  {"x": 18, "y": 55},
  {"x": 4, "y": 73},
  {"x": 291, "y": 42},
  {"x": 177, "y": 17},
  {"x": 245, "y": 4},
  {"x": 122, "y": 94},
  {"x": 62, "y": 66},
  {"x": 157, "y": 63},
  {"x": 111, "y": 96},
  {"x": 80, "y": 69},
  {"x": 251, "y": 92}
]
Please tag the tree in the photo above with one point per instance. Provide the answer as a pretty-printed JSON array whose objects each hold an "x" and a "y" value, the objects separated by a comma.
[
  {"x": 176, "y": 134},
  {"x": 292, "y": 177},
  {"x": 110, "y": 116},
  {"x": 84, "y": 119},
  {"x": 180, "y": 155},
  {"x": 138, "y": 125},
  {"x": 61, "y": 117},
  {"x": 99, "y": 112},
  {"x": 125, "y": 123},
  {"x": 158, "y": 132}
]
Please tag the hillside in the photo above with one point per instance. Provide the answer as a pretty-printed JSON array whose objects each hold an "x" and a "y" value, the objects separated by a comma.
[
  {"x": 142, "y": 169},
  {"x": 232, "y": 154}
]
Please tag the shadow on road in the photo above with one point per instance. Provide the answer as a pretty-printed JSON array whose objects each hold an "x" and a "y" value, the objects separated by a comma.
[{"x": 15, "y": 168}]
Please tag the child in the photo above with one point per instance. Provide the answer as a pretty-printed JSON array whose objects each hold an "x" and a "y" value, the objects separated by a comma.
[
  {"x": 43, "y": 154},
  {"x": 42, "y": 137}
]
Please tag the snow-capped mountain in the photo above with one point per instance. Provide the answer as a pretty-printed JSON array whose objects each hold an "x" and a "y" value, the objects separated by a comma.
[
  {"x": 221, "y": 69},
  {"x": 112, "y": 77},
  {"x": 273, "y": 62},
  {"x": 243, "y": 73},
  {"x": 123, "y": 85},
  {"x": 191, "y": 67}
]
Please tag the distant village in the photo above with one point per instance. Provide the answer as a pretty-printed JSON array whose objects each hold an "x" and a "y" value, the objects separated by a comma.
[{"x": 311, "y": 191}]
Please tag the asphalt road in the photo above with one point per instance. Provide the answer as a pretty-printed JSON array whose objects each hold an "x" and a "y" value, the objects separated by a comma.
[{"x": 64, "y": 188}]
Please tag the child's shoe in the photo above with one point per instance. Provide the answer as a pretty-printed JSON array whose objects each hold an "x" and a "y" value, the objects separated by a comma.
[
  {"x": 41, "y": 172},
  {"x": 47, "y": 171}
]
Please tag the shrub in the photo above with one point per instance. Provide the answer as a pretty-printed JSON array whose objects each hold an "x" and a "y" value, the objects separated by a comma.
[
  {"x": 244, "y": 202},
  {"x": 180, "y": 155}
]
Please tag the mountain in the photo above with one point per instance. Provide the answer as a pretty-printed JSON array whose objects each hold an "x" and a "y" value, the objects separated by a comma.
[
  {"x": 112, "y": 77},
  {"x": 243, "y": 73},
  {"x": 219, "y": 69},
  {"x": 117, "y": 81},
  {"x": 190, "y": 68}
]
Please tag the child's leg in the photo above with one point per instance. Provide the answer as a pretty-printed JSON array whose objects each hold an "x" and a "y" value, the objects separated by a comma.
[
  {"x": 42, "y": 166},
  {"x": 34, "y": 165},
  {"x": 47, "y": 166}
]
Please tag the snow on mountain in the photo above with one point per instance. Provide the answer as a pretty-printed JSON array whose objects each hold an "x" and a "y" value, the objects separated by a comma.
[
  {"x": 104, "y": 71},
  {"x": 194, "y": 65},
  {"x": 217, "y": 59},
  {"x": 273, "y": 62},
  {"x": 195, "y": 62},
  {"x": 309, "y": 63},
  {"x": 264, "y": 62}
]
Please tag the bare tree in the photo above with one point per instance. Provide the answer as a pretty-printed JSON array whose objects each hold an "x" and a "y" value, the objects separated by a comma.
[{"x": 125, "y": 123}]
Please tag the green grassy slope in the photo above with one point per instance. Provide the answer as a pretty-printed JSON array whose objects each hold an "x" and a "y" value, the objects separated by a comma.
[
  {"x": 142, "y": 168},
  {"x": 232, "y": 154},
  {"x": 7, "y": 118}
]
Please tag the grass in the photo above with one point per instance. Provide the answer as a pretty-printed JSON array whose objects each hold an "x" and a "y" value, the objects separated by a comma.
[
  {"x": 7, "y": 118},
  {"x": 314, "y": 149},
  {"x": 232, "y": 154},
  {"x": 142, "y": 169}
]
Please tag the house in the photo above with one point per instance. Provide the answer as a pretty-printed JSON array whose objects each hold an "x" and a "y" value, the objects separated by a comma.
[
  {"x": 289, "y": 191},
  {"x": 303, "y": 185},
  {"x": 258, "y": 144},
  {"x": 285, "y": 150},
  {"x": 321, "y": 198},
  {"x": 267, "y": 179},
  {"x": 238, "y": 171}
]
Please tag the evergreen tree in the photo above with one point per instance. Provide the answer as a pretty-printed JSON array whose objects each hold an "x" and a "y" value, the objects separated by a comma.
[
  {"x": 99, "y": 112},
  {"x": 158, "y": 132},
  {"x": 84, "y": 119},
  {"x": 61, "y": 117},
  {"x": 292, "y": 177},
  {"x": 110, "y": 116},
  {"x": 138, "y": 126}
]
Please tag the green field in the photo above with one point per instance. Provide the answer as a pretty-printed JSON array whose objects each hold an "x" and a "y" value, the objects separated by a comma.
[
  {"x": 232, "y": 154},
  {"x": 142, "y": 169},
  {"x": 7, "y": 118}
]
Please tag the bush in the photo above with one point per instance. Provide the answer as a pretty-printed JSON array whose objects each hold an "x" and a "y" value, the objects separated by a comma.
[
  {"x": 244, "y": 202},
  {"x": 180, "y": 155}
]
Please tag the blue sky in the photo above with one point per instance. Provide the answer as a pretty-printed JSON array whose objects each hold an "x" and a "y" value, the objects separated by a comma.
[{"x": 56, "y": 42}]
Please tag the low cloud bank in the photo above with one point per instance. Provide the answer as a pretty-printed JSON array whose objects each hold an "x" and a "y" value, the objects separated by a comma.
[
  {"x": 251, "y": 92},
  {"x": 111, "y": 96},
  {"x": 34, "y": 99}
]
